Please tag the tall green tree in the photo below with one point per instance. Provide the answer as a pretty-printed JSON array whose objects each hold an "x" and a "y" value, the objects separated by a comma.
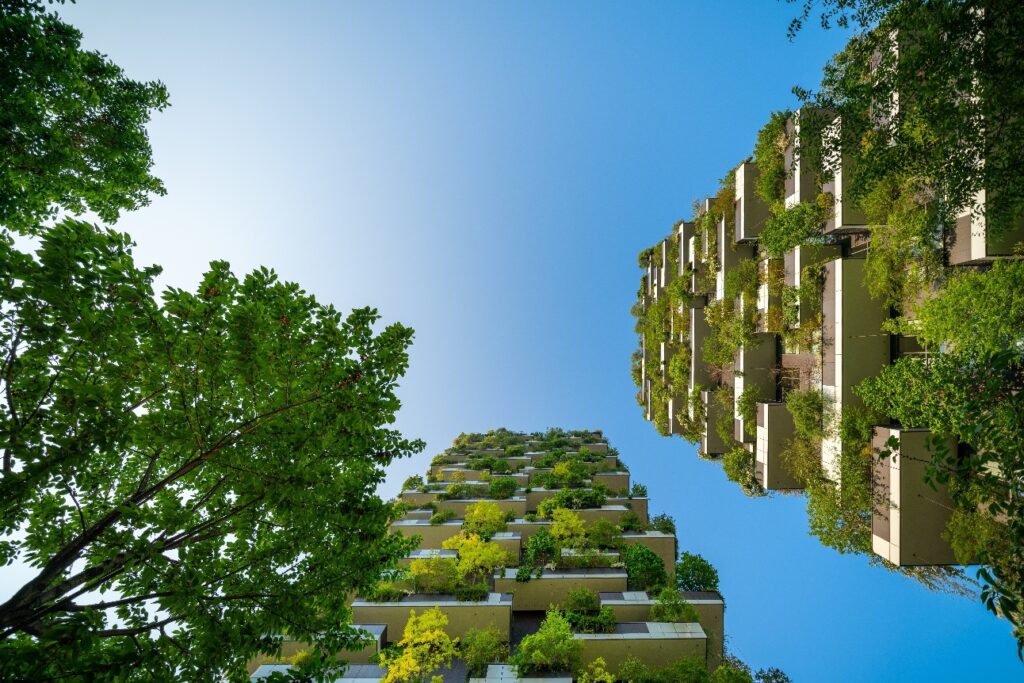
[
  {"x": 72, "y": 125},
  {"x": 188, "y": 476}
]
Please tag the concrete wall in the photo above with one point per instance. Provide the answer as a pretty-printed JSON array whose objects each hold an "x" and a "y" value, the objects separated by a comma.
[
  {"x": 462, "y": 616},
  {"x": 516, "y": 505},
  {"x": 616, "y": 481},
  {"x": 661, "y": 544},
  {"x": 552, "y": 588},
  {"x": 656, "y": 652}
]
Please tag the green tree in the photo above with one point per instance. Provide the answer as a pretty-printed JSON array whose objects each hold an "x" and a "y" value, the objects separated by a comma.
[
  {"x": 186, "y": 473},
  {"x": 671, "y": 607},
  {"x": 694, "y": 573},
  {"x": 423, "y": 649},
  {"x": 644, "y": 569},
  {"x": 72, "y": 125},
  {"x": 484, "y": 518},
  {"x": 551, "y": 648},
  {"x": 481, "y": 647}
]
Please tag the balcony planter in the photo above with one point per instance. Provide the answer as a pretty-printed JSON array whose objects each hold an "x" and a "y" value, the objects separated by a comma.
[
  {"x": 553, "y": 586},
  {"x": 636, "y": 606},
  {"x": 496, "y": 609},
  {"x": 505, "y": 673},
  {"x": 909, "y": 517},
  {"x": 431, "y": 535},
  {"x": 516, "y": 505},
  {"x": 656, "y": 644},
  {"x": 774, "y": 432},
  {"x": 289, "y": 648},
  {"x": 615, "y": 481}
]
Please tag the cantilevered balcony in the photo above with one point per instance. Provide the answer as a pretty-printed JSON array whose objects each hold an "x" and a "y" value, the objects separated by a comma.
[
  {"x": 774, "y": 433},
  {"x": 854, "y": 347},
  {"x": 801, "y": 185},
  {"x": 799, "y": 264},
  {"x": 684, "y": 235},
  {"x": 973, "y": 242},
  {"x": 751, "y": 211},
  {"x": 755, "y": 366},
  {"x": 910, "y": 516},
  {"x": 730, "y": 255},
  {"x": 711, "y": 443},
  {"x": 656, "y": 644},
  {"x": 847, "y": 217},
  {"x": 699, "y": 331},
  {"x": 632, "y": 606}
]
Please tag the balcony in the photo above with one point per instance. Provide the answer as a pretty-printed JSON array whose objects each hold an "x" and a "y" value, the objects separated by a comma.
[
  {"x": 699, "y": 331},
  {"x": 661, "y": 544},
  {"x": 729, "y": 256},
  {"x": 516, "y": 505},
  {"x": 684, "y": 233},
  {"x": 801, "y": 185},
  {"x": 553, "y": 586},
  {"x": 774, "y": 432},
  {"x": 751, "y": 211},
  {"x": 505, "y": 673},
  {"x": 431, "y": 535},
  {"x": 755, "y": 366},
  {"x": 854, "y": 347},
  {"x": 495, "y": 609},
  {"x": 656, "y": 644},
  {"x": 799, "y": 263},
  {"x": 358, "y": 673},
  {"x": 910, "y": 517},
  {"x": 711, "y": 443},
  {"x": 636, "y": 606},
  {"x": 846, "y": 217},
  {"x": 972, "y": 242},
  {"x": 615, "y": 481},
  {"x": 375, "y": 635}
]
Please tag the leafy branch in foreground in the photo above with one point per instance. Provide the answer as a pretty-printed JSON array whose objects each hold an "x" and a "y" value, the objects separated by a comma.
[{"x": 186, "y": 477}]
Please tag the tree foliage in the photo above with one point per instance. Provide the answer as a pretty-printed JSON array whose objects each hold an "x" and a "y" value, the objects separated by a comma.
[
  {"x": 551, "y": 648},
  {"x": 694, "y": 573},
  {"x": 209, "y": 460},
  {"x": 72, "y": 124},
  {"x": 423, "y": 649}
]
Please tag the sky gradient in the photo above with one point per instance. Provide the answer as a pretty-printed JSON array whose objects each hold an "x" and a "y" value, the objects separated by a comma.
[{"x": 486, "y": 174}]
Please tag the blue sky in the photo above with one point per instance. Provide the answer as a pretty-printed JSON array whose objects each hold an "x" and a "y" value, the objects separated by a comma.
[{"x": 486, "y": 173}]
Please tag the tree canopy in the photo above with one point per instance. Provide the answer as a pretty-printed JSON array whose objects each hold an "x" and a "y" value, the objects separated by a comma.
[
  {"x": 186, "y": 477},
  {"x": 72, "y": 124}
]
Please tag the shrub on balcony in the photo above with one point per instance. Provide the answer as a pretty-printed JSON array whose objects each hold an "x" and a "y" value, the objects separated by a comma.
[
  {"x": 638, "y": 491},
  {"x": 746, "y": 406},
  {"x": 586, "y": 558},
  {"x": 738, "y": 465},
  {"x": 807, "y": 408},
  {"x": 413, "y": 483},
  {"x": 573, "y": 499},
  {"x": 694, "y": 573},
  {"x": 631, "y": 522},
  {"x": 484, "y": 518},
  {"x": 644, "y": 569},
  {"x": 584, "y": 612},
  {"x": 671, "y": 607},
  {"x": 442, "y": 516},
  {"x": 596, "y": 673},
  {"x": 481, "y": 647},
  {"x": 515, "y": 451},
  {"x": 472, "y": 593},
  {"x": 478, "y": 559},
  {"x": 423, "y": 649},
  {"x": 433, "y": 575},
  {"x": 663, "y": 523},
  {"x": 502, "y": 488},
  {"x": 552, "y": 648},
  {"x": 604, "y": 535},
  {"x": 571, "y": 473},
  {"x": 385, "y": 591},
  {"x": 568, "y": 528}
]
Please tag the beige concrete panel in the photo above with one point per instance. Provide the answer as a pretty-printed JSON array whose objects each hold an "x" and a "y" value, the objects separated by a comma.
[
  {"x": 552, "y": 588},
  {"x": 656, "y": 653}
]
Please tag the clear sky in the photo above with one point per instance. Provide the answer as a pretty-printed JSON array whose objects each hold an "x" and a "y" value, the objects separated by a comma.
[{"x": 486, "y": 173}]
